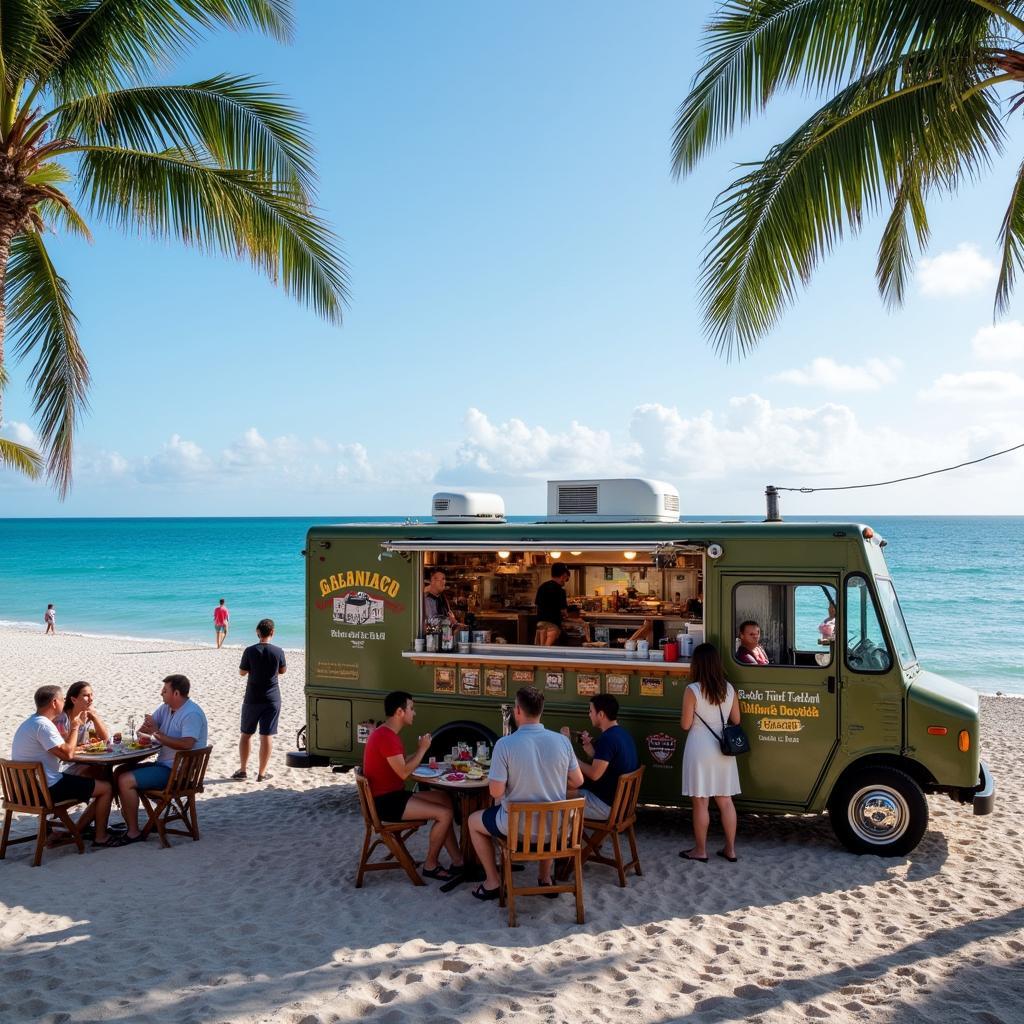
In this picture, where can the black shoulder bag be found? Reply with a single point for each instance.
(733, 740)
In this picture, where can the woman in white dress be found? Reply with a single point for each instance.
(708, 704)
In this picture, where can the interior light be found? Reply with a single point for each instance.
(576, 553)
(556, 554)
(504, 554)
(629, 554)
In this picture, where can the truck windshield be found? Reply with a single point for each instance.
(895, 621)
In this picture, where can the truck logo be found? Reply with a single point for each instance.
(358, 609)
(662, 747)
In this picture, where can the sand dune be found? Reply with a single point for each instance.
(259, 922)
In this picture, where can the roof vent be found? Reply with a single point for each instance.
(468, 507)
(612, 501)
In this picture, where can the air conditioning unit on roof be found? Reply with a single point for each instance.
(626, 500)
(468, 507)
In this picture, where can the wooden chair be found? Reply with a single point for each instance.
(390, 835)
(621, 819)
(25, 792)
(177, 800)
(557, 827)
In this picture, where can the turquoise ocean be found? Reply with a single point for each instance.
(958, 579)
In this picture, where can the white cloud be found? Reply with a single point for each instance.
(22, 433)
(959, 272)
(985, 387)
(827, 375)
(353, 463)
(999, 342)
(511, 450)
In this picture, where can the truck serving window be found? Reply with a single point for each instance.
(796, 622)
(894, 619)
(866, 649)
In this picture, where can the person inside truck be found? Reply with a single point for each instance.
(386, 767)
(750, 651)
(435, 601)
(552, 605)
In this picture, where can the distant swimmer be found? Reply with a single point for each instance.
(221, 618)
(50, 618)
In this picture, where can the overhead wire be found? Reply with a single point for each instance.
(903, 479)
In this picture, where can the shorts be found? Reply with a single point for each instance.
(391, 806)
(263, 715)
(220, 629)
(151, 776)
(490, 820)
(72, 787)
(595, 807)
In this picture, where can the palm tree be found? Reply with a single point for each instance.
(912, 110)
(223, 164)
(18, 456)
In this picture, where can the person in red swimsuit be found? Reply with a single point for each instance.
(750, 651)
(386, 768)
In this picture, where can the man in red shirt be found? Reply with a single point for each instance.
(386, 768)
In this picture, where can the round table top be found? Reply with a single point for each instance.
(119, 755)
(445, 783)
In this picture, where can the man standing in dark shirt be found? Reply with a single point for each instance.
(263, 662)
(552, 605)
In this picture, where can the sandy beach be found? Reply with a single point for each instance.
(259, 921)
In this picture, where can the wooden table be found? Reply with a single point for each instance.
(119, 755)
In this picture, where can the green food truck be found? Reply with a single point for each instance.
(842, 717)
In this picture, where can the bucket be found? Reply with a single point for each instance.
(671, 650)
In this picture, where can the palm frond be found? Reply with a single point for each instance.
(754, 48)
(62, 217)
(895, 253)
(106, 43)
(40, 315)
(20, 458)
(179, 194)
(1011, 238)
(236, 119)
(26, 40)
(774, 224)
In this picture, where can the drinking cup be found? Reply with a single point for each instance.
(671, 650)
(433, 764)
(419, 644)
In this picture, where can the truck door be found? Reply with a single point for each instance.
(789, 705)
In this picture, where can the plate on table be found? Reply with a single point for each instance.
(425, 772)
(94, 748)
(455, 777)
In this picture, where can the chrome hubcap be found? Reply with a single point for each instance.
(878, 815)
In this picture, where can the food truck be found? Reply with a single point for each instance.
(842, 718)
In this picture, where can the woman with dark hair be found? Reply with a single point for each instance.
(79, 698)
(708, 704)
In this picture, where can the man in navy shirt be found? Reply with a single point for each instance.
(262, 663)
(612, 754)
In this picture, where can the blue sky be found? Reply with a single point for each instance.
(524, 301)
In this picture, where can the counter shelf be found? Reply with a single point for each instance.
(574, 658)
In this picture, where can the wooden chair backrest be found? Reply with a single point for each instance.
(188, 771)
(366, 802)
(24, 786)
(539, 831)
(627, 793)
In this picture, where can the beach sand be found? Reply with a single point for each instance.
(260, 922)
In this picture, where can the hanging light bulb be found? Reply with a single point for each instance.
(629, 554)
(555, 554)
(504, 554)
(575, 554)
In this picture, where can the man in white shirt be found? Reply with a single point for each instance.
(178, 724)
(37, 739)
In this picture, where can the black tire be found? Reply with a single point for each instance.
(880, 810)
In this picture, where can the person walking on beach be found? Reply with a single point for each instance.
(50, 618)
(708, 704)
(221, 618)
(262, 663)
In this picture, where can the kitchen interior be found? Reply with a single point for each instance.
(615, 591)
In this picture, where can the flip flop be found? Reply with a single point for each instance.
(440, 873)
(110, 843)
(481, 893)
(127, 840)
(725, 856)
(240, 774)
(685, 854)
(264, 776)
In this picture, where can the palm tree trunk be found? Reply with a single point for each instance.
(5, 252)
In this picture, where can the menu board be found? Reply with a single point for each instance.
(494, 682)
(444, 679)
(617, 683)
(554, 680)
(469, 681)
(652, 686)
(588, 684)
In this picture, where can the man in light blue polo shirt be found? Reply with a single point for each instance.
(530, 766)
(178, 724)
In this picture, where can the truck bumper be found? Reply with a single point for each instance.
(984, 795)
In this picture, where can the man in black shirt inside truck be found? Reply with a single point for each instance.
(262, 663)
(552, 604)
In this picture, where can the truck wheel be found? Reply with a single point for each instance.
(879, 810)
